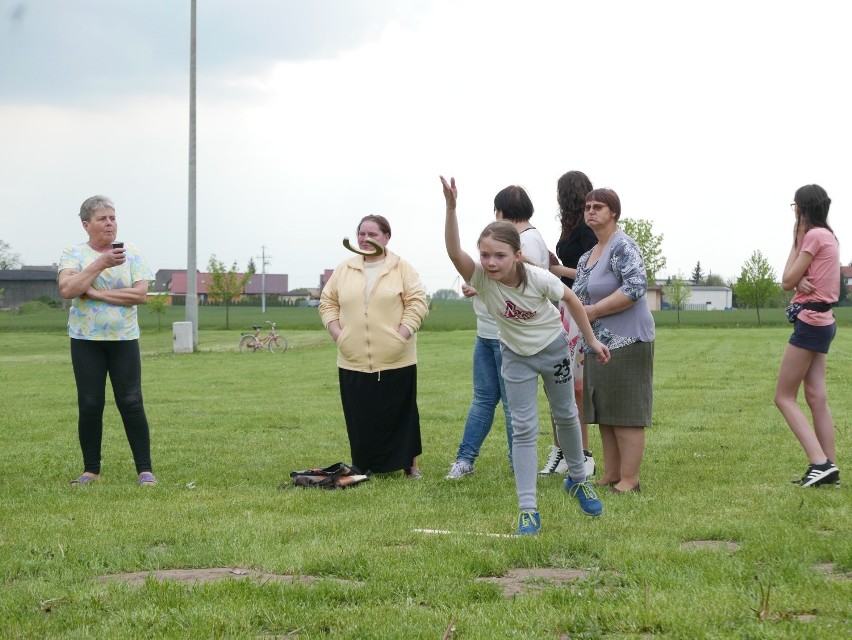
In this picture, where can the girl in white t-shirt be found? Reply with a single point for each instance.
(534, 344)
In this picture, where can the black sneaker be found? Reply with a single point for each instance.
(833, 480)
(819, 474)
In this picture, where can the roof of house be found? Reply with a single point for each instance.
(275, 283)
(29, 274)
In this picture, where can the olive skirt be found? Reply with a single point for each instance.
(621, 392)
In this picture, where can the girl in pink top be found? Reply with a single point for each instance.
(813, 270)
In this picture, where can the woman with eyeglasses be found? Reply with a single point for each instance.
(612, 284)
(812, 269)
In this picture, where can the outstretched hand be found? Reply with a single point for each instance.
(450, 192)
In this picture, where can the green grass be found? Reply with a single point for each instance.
(227, 428)
(445, 316)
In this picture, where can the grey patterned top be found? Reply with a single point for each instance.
(620, 267)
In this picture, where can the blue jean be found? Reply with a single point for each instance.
(488, 390)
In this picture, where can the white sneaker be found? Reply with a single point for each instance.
(555, 462)
(589, 463)
(459, 469)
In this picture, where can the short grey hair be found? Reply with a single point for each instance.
(95, 203)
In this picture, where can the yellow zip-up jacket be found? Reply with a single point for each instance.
(369, 341)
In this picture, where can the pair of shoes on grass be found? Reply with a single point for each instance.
(529, 522)
(556, 463)
(146, 479)
(818, 475)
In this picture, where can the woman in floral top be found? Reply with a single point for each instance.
(611, 283)
(105, 283)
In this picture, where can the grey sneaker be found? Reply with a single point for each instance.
(555, 462)
(459, 469)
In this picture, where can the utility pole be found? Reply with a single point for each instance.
(264, 260)
(191, 311)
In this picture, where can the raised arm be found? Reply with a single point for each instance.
(463, 263)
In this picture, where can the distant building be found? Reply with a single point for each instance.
(29, 283)
(703, 298)
(324, 277)
(173, 281)
(846, 278)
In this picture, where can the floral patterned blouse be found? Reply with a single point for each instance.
(97, 320)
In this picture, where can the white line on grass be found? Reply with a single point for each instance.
(464, 533)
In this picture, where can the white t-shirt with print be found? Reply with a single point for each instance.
(534, 248)
(525, 316)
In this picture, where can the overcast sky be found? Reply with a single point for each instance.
(704, 117)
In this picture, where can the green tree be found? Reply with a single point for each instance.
(714, 280)
(225, 284)
(8, 259)
(649, 244)
(756, 285)
(697, 275)
(677, 291)
(158, 304)
(446, 294)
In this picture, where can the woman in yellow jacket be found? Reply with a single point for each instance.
(373, 306)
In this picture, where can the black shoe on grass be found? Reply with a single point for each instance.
(820, 474)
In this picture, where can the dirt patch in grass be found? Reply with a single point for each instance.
(830, 571)
(710, 544)
(197, 576)
(521, 580)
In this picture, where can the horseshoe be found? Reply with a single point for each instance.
(379, 249)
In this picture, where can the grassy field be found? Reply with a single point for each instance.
(717, 523)
(445, 316)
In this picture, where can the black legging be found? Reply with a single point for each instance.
(92, 360)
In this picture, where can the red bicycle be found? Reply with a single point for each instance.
(272, 341)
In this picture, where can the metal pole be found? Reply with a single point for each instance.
(191, 268)
(263, 262)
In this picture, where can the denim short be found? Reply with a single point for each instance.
(807, 336)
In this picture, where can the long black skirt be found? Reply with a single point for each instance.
(382, 419)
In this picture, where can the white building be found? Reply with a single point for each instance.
(709, 299)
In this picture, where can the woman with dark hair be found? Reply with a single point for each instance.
(373, 306)
(812, 270)
(576, 238)
(612, 284)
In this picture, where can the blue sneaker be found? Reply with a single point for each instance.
(589, 503)
(529, 522)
